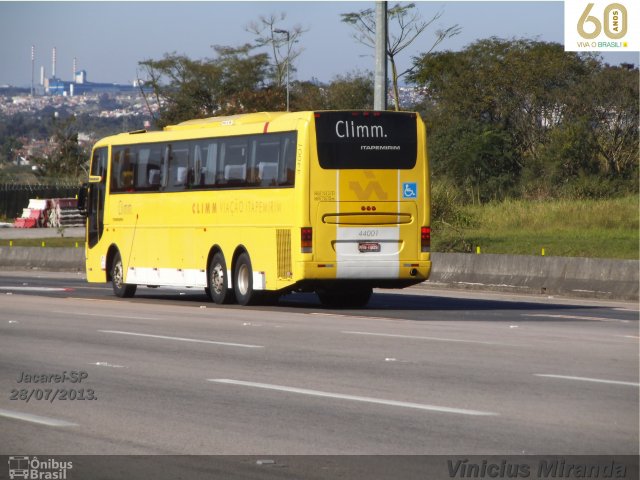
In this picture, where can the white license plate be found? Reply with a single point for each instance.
(366, 247)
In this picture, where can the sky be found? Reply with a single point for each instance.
(108, 39)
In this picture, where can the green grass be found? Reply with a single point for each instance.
(575, 228)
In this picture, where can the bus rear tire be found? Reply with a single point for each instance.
(345, 297)
(218, 288)
(121, 289)
(243, 281)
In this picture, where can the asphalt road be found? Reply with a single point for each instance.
(417, 372)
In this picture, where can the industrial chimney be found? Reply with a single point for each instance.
(33, 60)
(53, 61)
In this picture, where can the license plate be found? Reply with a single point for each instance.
(366, 247)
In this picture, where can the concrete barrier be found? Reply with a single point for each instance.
(575, 277)
(42, 258)
(571, 276)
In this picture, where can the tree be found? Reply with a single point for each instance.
(609, 99)
(67, 158)
(280, 42)
(9, 145)
(235, 81)
(565, 124)
(353, 91)
(408, 26)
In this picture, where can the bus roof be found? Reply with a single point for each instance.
(244, 119)
(240, 119)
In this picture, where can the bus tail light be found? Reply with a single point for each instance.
(425, 239)
(306, 239)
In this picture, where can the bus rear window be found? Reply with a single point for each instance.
(366, 140)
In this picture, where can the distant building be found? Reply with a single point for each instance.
(80, 85)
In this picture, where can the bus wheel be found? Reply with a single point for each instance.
(218, 289)
(121, 289)
(345, 298)
(243, 280)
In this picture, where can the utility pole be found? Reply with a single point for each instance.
(287, 33)
(380, 80)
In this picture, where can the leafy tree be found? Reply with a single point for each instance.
(524, 116)
(9, 145)
(67, 159)
(353, 91)
(407, 25)
(309, 95)
(233, 82)
(609, 100)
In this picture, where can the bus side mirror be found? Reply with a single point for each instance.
(83, 197)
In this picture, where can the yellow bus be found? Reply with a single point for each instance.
(253, 206)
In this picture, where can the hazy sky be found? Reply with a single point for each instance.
(108, 39)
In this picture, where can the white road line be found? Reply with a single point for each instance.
(358, 317)
(415, 337)
(181, 339)
(585, 379)
(27, 417)
(107, 364)
(340, 396)
(104, 315)
(575, 317)
(38, 289)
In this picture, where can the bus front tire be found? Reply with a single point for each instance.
(344, 298)
(218, 288)
(243, 281)
(121, 289)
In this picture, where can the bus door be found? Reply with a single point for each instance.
(97, 191)
(368, 215)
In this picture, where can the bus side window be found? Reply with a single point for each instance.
(142, 166)
(234, 160)
(209, 170)
(116, 169)
(288, 158)
(154, 168)
(123, 170)
(196, 165)
(178, 165)
(267, 152)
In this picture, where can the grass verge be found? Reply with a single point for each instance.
(568, 228)
(57, 242)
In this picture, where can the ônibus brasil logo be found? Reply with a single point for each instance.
(37, 469)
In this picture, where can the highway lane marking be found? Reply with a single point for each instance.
(356, 398)
(107, 364)
(104, 315)
(586, 379)
(360, 317)
(182, 339)
(575, 317)
(28, 417)
(38, 289)
(416, 337)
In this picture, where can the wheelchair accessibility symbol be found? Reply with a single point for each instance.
(409, 190)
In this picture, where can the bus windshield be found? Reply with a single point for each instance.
(366, 140)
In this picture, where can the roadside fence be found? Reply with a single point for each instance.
(15, 197)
